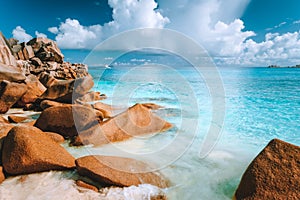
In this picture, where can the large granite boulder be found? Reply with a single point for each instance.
(273, 174)
(34, 90)
(68, 90)
(6, 56)
(27, 149)
(136, 121)
(118, 171)
(66, 120)
(11, 73)
(10, 93)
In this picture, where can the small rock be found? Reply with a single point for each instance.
(36, 61)
(83, 184)
(16, 119)
(47, 80)
(10, 93)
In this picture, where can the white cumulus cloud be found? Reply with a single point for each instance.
(72, 35)
(20, 34)
(127, 14)
(38, 34)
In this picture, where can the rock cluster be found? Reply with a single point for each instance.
(33, 75)
(42, 55)
(35, 71)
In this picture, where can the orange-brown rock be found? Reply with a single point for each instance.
(66, 120)
(67, 91)
(55, 137)
(28, 52)
(2, 177)
(6, 56)
(152, 106)
(4, 129)
(27, 149)
(16, 119)
(91, 96)
(106, 109)
(11, 73)
(273, 174)
(47, 80)
(136, 121)
(46, 49)
(83, 184)
(3, 120)
(10, 93)
(118, 171)
(48, 103)
(34, 89)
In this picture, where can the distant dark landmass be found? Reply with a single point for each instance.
(277, 66)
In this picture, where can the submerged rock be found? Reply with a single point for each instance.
(273, 174)
(10, 93)
(27, 149)
(118, 171)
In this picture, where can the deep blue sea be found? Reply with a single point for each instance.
(259, 104)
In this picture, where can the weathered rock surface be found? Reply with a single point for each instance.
(48, 103)
(11, 73)
(66, 120)
(47, 80)
(136, 121)
(2, 177)
(34, 90)
(27, 150)
(6, 56)
(66, 91)
(106, 109)
(91, 96)
(10, 93)
(16, 119)
(273, 174)
(118, 171)
(46, 49)
(55, 137)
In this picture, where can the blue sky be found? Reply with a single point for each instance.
(234, 32)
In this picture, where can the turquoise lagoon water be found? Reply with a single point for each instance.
(260, 104)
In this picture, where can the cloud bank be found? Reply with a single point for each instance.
(213, 24)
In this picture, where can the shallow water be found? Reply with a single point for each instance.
(261, 104)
